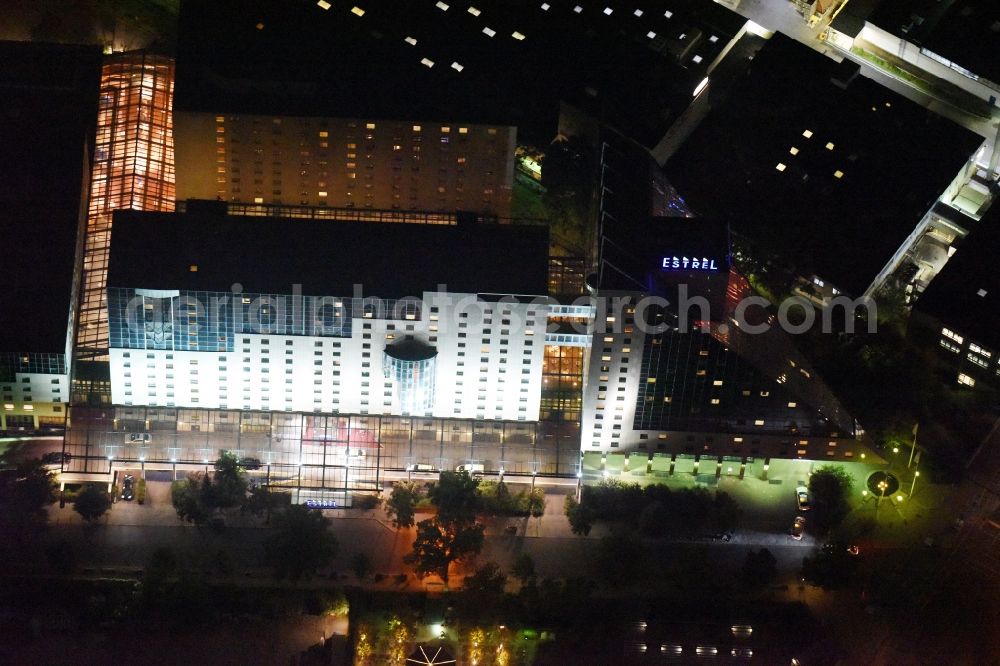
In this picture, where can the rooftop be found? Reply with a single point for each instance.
(965, 32)
(202, 250)
(831, 179)
(492, 61)
(47, 123)
(965, 295)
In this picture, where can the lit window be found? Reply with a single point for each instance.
(193, 268)
(966, 380)
(637, 13)
(652, 35)
(807, 134)
(427, 62)
(323, 4)
(780, 166)
(416, 128)
(410, 40)
(759, 422)
(667, 14)
(829, 145)
(518, 36)
(369, 125)
(791, 404)
(793, 150)
(838, 174)
(457, 67)
(952, 335)
(474, 11)
(715, 401)
(357, 11)
(463, 130)
(442, 6)
(545, 6)
(489, 32)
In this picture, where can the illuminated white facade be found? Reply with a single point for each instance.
(486, 359)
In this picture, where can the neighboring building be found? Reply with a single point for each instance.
(664, 387)
(47, 123)
(345, 163)
(630, 68)
(837, 175)
(958, 317)
(133, 169)
(944, 43)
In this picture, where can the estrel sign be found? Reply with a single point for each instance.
(689, 264)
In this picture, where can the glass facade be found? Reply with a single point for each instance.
(334, 452)
(12, 363)
(413, 380)
(209, 320)
(133, 168)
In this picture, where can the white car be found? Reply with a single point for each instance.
(802, 497)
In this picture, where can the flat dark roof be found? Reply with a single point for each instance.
(304, 60)
(47, 118)
(966, 33)
(965, 295)
(270, 256)
(893, 159)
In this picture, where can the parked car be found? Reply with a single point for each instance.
(138, 437)
(128, 488)
(798, 527)
(421, 467)
(250, 463)
(474, 468)
(802, 497)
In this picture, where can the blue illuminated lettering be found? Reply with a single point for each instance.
(684, 263)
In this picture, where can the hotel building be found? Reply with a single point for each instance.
(345, 163)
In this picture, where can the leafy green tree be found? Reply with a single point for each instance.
(300, 543)
(524, 569)
(229, 485)
(759, 569)
(455, 497)
(92, 503)
(187, 496)
(581, 517)
(263, 500)
(488, 578)
(402, 504)
(829, 487)
(438, 544)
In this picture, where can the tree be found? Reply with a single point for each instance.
(829, 487)
(402, 504)
(229, 487)
(300, 543)
(438, 544)
(726, 513)
(488, 578)
(262, 500)
(581, 518)
(361, 565)
(24, 494)
(187, 496)
(92, 503)
(759, 569)
(455, 497)
(524, 569)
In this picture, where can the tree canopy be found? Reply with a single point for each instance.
(402, 504)
(438, 544)
(829, 487)
(92, 503)
(300, 542)
(455, 497)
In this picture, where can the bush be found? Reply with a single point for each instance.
(140, 491)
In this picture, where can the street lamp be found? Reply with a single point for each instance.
(913, 483)
(882, 485)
